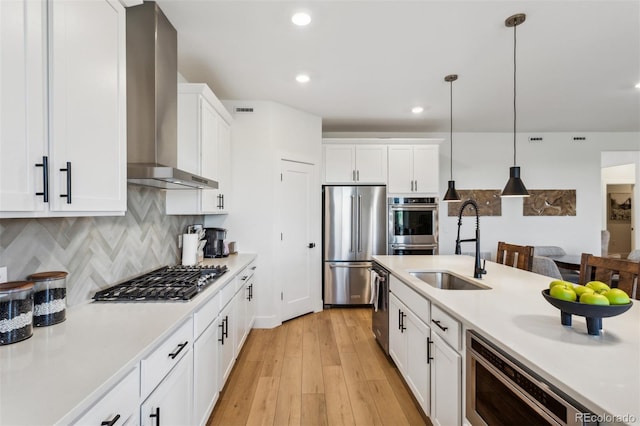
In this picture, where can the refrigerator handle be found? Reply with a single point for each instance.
(359, 223)
(353, 220)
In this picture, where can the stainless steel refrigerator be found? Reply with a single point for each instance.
(354, 229)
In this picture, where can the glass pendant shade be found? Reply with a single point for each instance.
(514, 187)
(452, 194)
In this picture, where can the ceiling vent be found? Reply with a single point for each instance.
(535, 139)
(244, 109)
(579, 138)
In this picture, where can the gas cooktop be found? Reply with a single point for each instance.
(166, 284)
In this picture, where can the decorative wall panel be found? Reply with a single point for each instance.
(96, 251)
(488, 200)
(550, 202)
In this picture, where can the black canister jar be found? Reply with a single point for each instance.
(16, 311)
(49, 297)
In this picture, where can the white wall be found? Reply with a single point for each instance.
(259, 140)
(482, 161)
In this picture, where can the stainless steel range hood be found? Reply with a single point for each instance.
(152, 102)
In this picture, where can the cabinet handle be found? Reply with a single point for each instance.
(181, 346)
(353, 175)
(401, 326)
(226, 326)
(253, 268)
(411, 185)
(222, 198)
(45, 179)
(357, 175)
(221, 339)
(68, 194)
(441, 327)
(112, 422)
(156, 415)
(429, 357)
(416, 185)
(251, 292)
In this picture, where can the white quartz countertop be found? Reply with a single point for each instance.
(55, 375)
(600, 372)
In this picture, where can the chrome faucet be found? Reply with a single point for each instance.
(478, 270)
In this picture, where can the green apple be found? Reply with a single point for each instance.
(597, 286)
(594, 299)
(617, 297)
(563, 293)
(580, 290)
(566, 284)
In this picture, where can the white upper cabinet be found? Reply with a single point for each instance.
(64, 135)
(204, 148)
(354, 163)
(413, 169)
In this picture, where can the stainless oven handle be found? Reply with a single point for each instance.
(413, 207)
(414, 246)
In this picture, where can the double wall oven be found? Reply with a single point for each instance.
(413, 225)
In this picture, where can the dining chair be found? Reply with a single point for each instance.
(514, 255)
(634, 256)
(546, 266)
(620, 273)
(548, 251)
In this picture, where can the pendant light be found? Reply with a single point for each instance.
(514, 187)
(452, 194)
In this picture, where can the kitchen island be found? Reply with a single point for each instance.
(62, 370)
(600, 372)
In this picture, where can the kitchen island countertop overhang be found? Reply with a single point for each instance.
(600, 372)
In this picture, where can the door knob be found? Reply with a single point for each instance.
(311, 245)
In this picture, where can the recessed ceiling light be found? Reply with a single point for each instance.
(417, 110)
(302, 78)
(301, 19)
(638, 86)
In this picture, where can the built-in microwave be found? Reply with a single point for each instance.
(413, 225)
(501, 391)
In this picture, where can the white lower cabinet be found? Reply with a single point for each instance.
(409, 348)
(171, 402)
(118, 407)
(205, 360)
(427, 357)
(225, 343)
(446, 384)
(239, 323)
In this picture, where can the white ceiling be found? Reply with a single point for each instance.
(370, 62)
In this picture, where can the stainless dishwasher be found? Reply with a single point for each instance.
(380, 314)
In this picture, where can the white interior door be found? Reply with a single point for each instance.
(298, 248)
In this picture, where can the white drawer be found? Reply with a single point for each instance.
(154, 367)
(245, 276)
(414, 301)
(205, 315)
(446, 327)
(227, 292)
(120, 402)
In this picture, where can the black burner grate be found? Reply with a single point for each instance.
(170, 283)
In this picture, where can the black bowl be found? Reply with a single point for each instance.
(593, 313)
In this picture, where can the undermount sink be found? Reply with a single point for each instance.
(446, 281)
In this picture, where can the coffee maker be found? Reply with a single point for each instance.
(215, 242)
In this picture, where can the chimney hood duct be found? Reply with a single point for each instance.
(152, 102)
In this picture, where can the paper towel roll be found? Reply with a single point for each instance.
(189, 249)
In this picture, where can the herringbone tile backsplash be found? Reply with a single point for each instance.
(96, 251)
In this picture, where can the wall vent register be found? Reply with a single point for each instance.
(166, 284)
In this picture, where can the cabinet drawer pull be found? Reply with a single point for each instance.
(68, 194)
(222, 198)
(429, 357)
(441, 327)
(402, 316)
(45, 179)
(358, 175)
(226, 326)
(156, 415)
(180, 348)
(111, 422)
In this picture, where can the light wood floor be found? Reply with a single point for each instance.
(319, 369)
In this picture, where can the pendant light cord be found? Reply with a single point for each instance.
(451, 127)
(514, 94)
